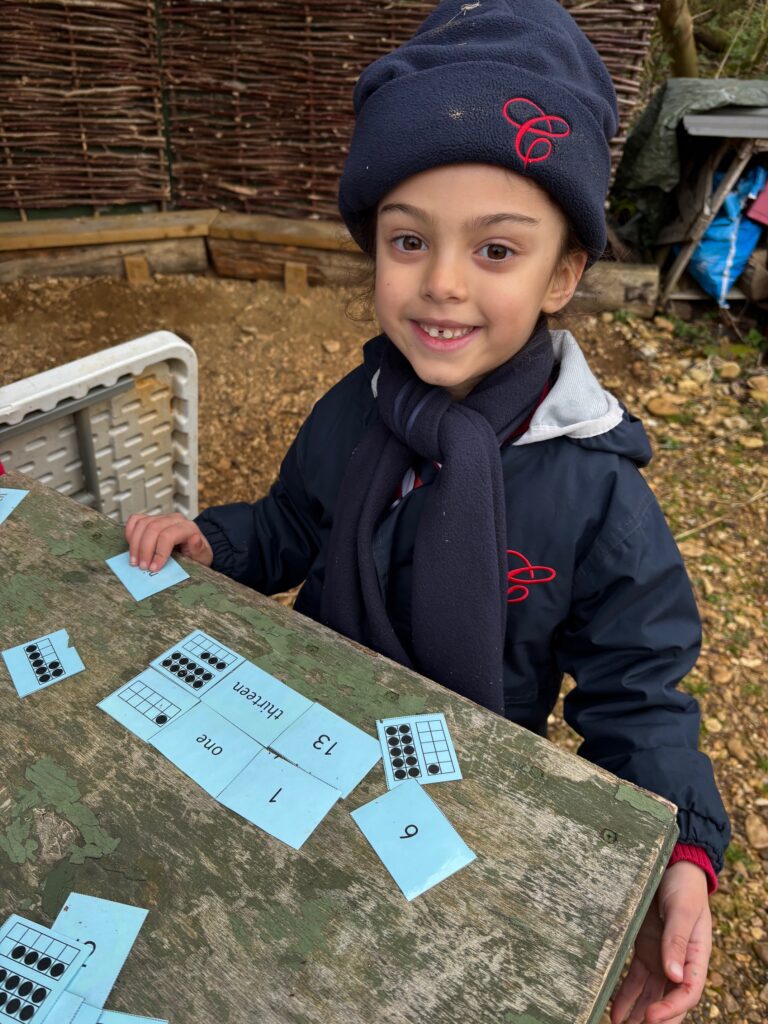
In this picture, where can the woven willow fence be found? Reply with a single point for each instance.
(250, 99)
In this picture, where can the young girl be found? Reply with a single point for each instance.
(468, 500)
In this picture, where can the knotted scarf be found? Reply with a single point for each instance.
(459, 561)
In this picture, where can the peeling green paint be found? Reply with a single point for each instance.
(17, 843)
(84, 546)
(54, 785)
(641, 802)
(21, 603)
(57, 886)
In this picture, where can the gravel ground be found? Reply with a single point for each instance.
(265, 358)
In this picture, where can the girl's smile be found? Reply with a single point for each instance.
(468, 256)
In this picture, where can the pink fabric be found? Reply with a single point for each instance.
(695, 854)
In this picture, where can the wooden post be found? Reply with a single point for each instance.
(137, 270)
(295, 278)
(677, 26)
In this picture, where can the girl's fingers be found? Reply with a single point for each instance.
(685, 996)
(653, 991)
(629, 991)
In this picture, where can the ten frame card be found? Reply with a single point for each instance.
(417, 747)
(197, 661)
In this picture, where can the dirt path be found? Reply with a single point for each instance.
(265, 358)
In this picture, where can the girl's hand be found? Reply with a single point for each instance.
(669, 968)
(151, 539)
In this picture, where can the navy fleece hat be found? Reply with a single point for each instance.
(508, 82)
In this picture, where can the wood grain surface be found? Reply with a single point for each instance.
(242, 928)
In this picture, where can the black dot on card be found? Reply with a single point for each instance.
(391, 730)
(37, 662)
(405, 728)
(39, 995)
(45, 677)
(398, 762)
(407, 739)
(40, 671)
(166, 663)
(393, 741)
(221, 665)
(434, 769)
(54, 664)
(3, 973)
(3, 998)
(25, 988)
(207, 676)
(27, 1012)
(395, 752)
(30, 958)
(30, 647)
(12, 981)
(183, 661)
(197, 684)
(411, 760)
(57, 970)
(409, 750)
(57, 672)
(400, 774)
(175, 669)
(176, 655)
(13, 1005)
(45, 963)
(161, 719)
(414, 773)
(18, 952)
(204, 656)
(198, 670)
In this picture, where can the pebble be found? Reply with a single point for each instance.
(663, 405)
(729, 371)
(713, 725)
(664, 323)
(757, 832)
(737, 749)
(750, 441)
(331, 346)
(759, 383)
(761, 951)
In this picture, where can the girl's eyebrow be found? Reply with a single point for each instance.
(471, 225)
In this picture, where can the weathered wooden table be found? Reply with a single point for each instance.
(242, 928)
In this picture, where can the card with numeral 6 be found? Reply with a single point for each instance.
(414, 839)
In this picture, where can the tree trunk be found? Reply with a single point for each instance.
(677, 26)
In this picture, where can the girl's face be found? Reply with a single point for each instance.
(471, 251)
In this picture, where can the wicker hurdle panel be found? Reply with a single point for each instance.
(260, 93)
(80, 104)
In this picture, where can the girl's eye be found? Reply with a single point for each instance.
(497, 252)
(407, 241)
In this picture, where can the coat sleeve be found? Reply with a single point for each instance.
(633, 632)
(269, 545)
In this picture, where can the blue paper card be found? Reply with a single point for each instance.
(206, 747)
(42, 662)
(415, 841)
(113, 1017)
(256, 702)
(330, 748)
(148, 703)
(417, 747)
(141, 583)
(280, 798)
(197, 661)
(112, 929)
(73, 1009)
(10, 498)
(37, 965)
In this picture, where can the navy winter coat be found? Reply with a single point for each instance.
(597, 587)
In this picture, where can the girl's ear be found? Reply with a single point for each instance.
(564, 281)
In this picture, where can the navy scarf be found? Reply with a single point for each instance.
(460, 561)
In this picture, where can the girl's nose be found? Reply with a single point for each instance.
(444, 279)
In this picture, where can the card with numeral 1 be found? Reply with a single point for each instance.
(414, 839)
(328, 747)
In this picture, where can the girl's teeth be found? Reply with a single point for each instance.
(445, 333)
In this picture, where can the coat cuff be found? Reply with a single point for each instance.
(695, 854)
(227, 559)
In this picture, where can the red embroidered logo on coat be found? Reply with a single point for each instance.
(522, 578)
(535, 129)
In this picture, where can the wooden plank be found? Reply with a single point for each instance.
(308, 234)
(242, 928)
(255, 260)
(295, 278)
(174, 256)
(129, 227)
(609, 286)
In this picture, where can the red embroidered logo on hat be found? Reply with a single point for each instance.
(522, 578)
(535, 130)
